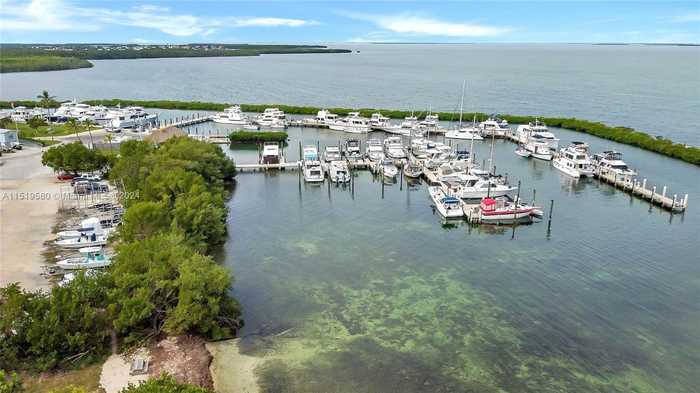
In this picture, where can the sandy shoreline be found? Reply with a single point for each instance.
(232, 371)
(25, 224)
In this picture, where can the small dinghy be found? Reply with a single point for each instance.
(91, 258)
(447, 206)
(83, 241)
(522, 151)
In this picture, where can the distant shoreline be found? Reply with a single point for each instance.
(45, 57)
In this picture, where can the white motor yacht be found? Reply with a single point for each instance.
(447, 206)
(231, 115)
(470, 186)
(353, 123)
(92, 258)
(271, 153)
(338, 172)
(331, 153)
(574, 160)
(412, 169)
(325, 118)
(464, 133)
(539, 150)
(611, 162)
(393, 148)
(494, 127)
(130, 117)
(374, 150)
(537, 131)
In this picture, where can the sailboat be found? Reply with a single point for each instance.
(464, 132)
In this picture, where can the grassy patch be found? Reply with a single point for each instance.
(87, 378)
(244, 137)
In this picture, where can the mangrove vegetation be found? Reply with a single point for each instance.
(162, 280)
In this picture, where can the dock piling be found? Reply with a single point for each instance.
(549, 221)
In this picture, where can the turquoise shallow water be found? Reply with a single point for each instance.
(354, 293)
(652, 88)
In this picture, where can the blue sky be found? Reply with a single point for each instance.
(182, 21)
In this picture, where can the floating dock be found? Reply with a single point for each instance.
(637, 188)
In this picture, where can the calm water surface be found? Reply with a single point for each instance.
(348, 292)
(651, 88)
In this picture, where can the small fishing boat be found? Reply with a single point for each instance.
(393, 148)
(447, 206)
(338, 172)
(374, 150)
(522, 151)
(574, 161)
(270, 153)
(331, 153)
(83, 241)
(412, 170)
(87, 228)
(388, 169)
(352, 149)
(92, 258)
(503, 211)
(311, 166)
(468, 133)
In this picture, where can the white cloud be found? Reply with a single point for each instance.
(414, 24)
(689, 17)
(272, 22)
(48, 15)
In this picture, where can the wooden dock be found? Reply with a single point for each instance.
(184, 121)
(639, 189)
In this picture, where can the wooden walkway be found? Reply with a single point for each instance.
(637, 188)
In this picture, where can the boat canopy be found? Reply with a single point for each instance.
(450, 199)
(488, 204)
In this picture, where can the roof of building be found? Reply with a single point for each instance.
(163, 135)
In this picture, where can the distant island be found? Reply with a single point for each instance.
(46, 57)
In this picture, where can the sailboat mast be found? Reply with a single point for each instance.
(461, 104)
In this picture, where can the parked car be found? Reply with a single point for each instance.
(65, 176)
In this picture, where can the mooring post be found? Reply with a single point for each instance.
(515, 210)
(644, 184)
(663, 193)
(673, 206)
(653, 192)
(534, 195)
(382, 181)
(549, 222)
(401, 177)
(685, 202)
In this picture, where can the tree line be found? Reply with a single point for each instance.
(162, 279)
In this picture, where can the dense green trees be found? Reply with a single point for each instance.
(45, 330)
(74, 157)
(160, 283)
(164, 384)
(10, 383)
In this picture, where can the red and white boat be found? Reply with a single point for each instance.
(504, 211)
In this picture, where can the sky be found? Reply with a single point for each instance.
(224, 21)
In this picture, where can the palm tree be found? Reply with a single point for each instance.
(109, 138)
(46, 100)
(73, 125)
(88, 126)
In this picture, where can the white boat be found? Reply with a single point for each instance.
(430, 121)
(275, 112)
(325, 118)
(83, 241)
(503, 211)
(574, 160)
(353, 123)
(538, 132)
(412, 170)
(464, 133)
(374, 150)
(522, 151)
(388, 169)
(409, 122)
(270, 120)
(87, 227)
(231, 115)
(310, 153)
(611, 162)
(377, 120)
(393, 148)
(352, 149)
(469, 186)
(539, 150)
(447, 206)
(311, 166)
(271, 153)
(130, 117)
(494, 127)
(331, 153)
(338, 172)
(92, 258)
